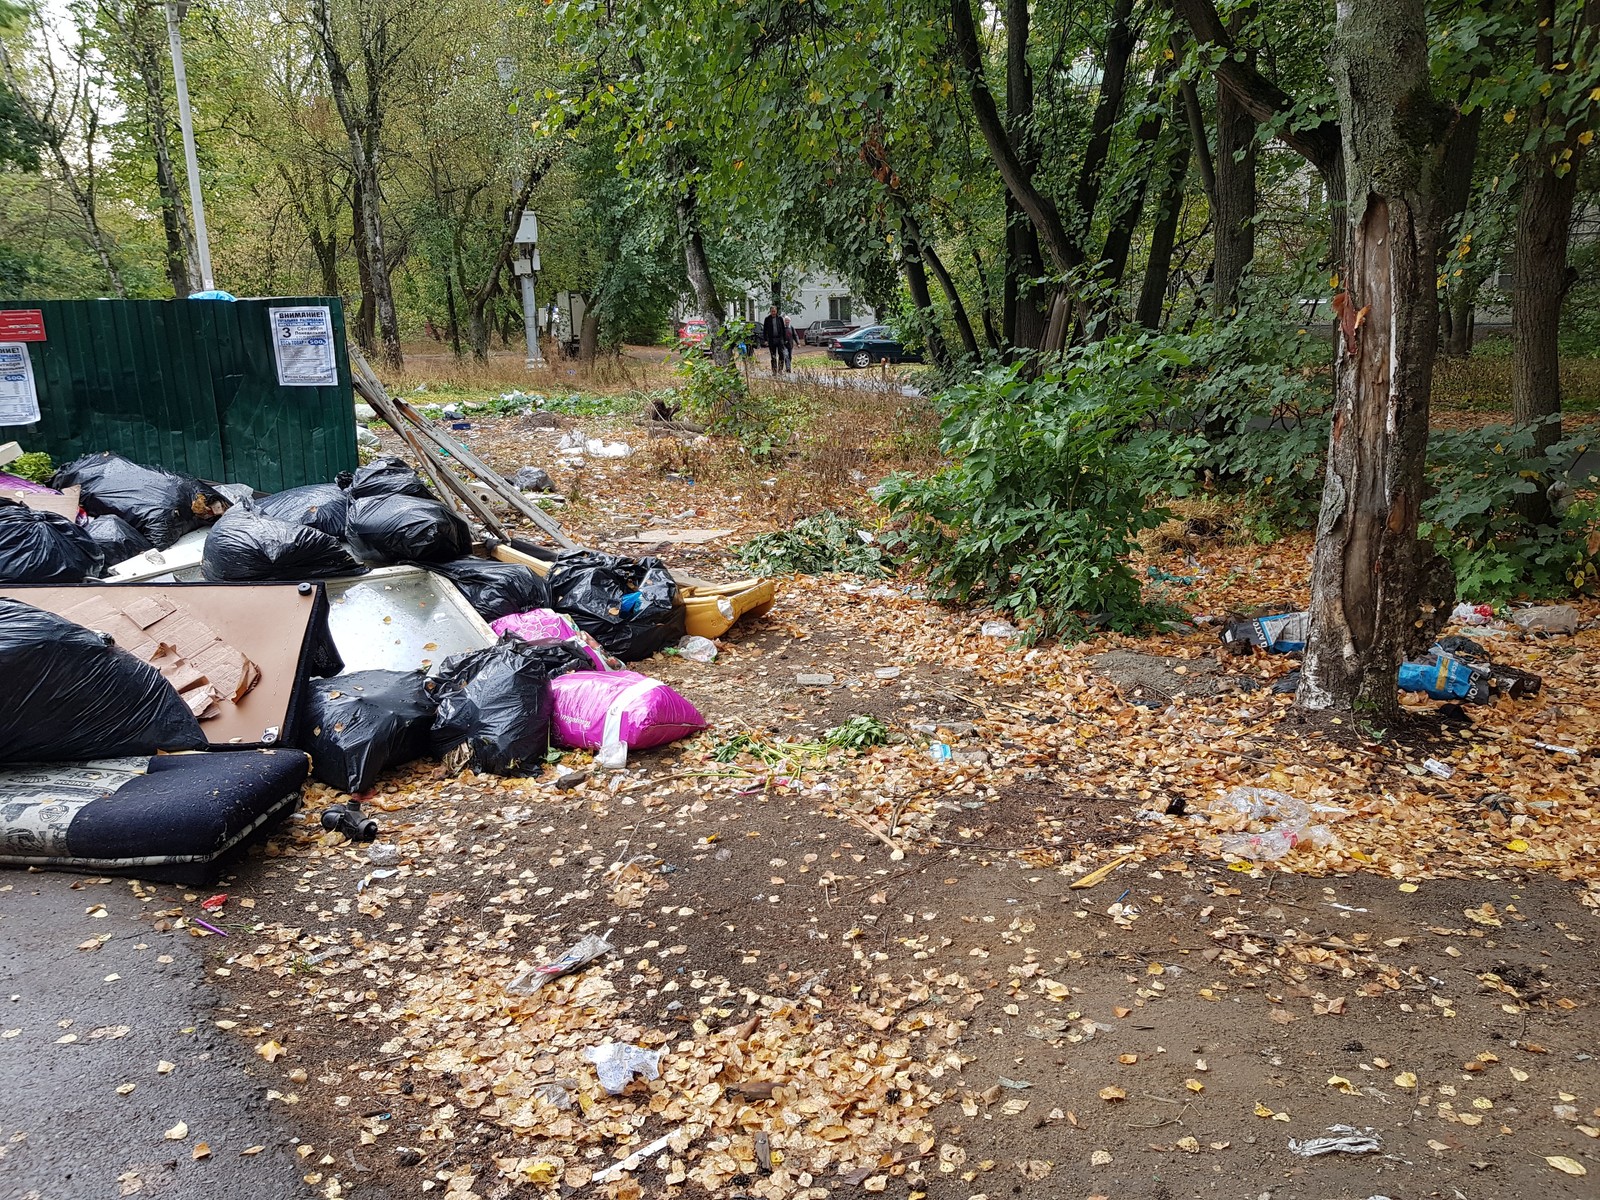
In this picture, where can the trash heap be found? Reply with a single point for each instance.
(1455, 668)
(336, 630)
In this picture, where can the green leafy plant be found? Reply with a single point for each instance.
(1047, 488)
(815, 545)
(1476, 478)
(718, 396)
(858, 733)
(35, 467)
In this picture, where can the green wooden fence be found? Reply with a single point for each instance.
(190, 385)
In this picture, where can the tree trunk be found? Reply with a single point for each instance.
(917, 284)
(1540, 276)
(1463, 319)
(1129, 208)
(1455, 194)
(367, 308)
(1163, 236)
(1022, 316)
(1234, 207)
(917, 244)
(589, 336)
(1107, 108)
(698, 267)
(1019, 179)
(363, 130)
(1373, 582)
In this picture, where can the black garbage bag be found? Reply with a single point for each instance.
(628, 605)
(245, 545)
(495, 702)
(365, 722)
(160, 504)
(387, 476)
(323, 506)
(390, 529)
(45, 547)
(72, 694)
(495, 589)
(118, 540)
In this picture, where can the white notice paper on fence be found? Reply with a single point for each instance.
(19, 399)
(302, 340)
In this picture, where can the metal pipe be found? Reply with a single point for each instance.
(530, 321)
(180, 82)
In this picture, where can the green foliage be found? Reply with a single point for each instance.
(1476, 479)
(36, 467)
(575, 404)
(816, 545)
(858, 733)
(1047, 489)
(718, 396)
(1248, 413)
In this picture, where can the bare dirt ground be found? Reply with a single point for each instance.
(869, 973)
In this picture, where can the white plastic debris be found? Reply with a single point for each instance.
(584, 952)
(1436, 768)
(616, 1063)
(999, 629)
(1341, 1139)
(603, 449)
(697, 649)
(1547, 618)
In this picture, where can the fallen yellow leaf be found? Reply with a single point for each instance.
(1111, 1094)
(1194, 1085)
(201, 1150)
(271, 1051)
(1568, 1165)
(177, 1133)
(1405, 1079)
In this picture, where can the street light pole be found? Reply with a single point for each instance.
(180, 82)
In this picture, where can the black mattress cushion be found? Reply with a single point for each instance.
(183, 808)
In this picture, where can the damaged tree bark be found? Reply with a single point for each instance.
(1375, 588)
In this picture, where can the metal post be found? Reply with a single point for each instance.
(180, 81)
(530, 322)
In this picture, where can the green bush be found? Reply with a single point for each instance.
(1475, 480)
(717, 396)
(816, 545)
(1047, 488)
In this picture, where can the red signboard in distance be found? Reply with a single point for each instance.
(21, 325)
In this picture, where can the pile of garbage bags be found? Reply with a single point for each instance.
(554, 677)
(1455, 668)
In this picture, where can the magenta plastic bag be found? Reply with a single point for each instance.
(595, 709)
(538, 623)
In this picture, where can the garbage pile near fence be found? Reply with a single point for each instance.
(333, 631)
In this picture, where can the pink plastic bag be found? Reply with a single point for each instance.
(596, 709)
(539, 623)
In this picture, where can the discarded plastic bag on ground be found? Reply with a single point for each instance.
(391, 529)
(77, 696)
(697, 649)
(363, 723)
(45, 547)
(539, 623)
(1472, 614)
(616, 1063)
(118, 540)
(495, 703)
(495, 589)
(629, 605)
(248, 545)
(593, 710)
(586, 951)
(1444, 677)
(160, 504)
(324, 506)
(1264, 804)
(1344, 1139)
(1279, 633)
(387, 476)
(1275, 843)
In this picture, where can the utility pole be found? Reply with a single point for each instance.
(525, 264)
(175, 11)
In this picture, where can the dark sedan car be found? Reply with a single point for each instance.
(875, 343)
(820, 333)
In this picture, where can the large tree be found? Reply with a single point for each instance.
(1375, 586)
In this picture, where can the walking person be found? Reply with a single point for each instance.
(773, 333)
(790, 341)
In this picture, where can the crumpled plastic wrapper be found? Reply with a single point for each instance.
(616, 1063)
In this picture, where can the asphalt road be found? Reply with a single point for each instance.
(65, 1131)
